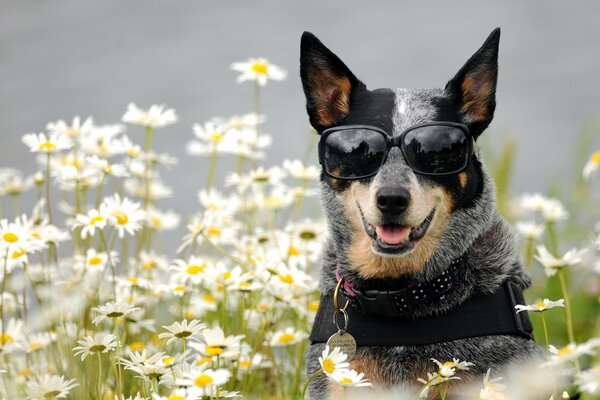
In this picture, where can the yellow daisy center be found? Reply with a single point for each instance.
(169, 360)
(10, 237)
(156, 221)
(95, 260)
(540, 305)
(262, 307)
(287, 338)
(18, 253)
(596, 157)
(136, 346)
(213, 350)
(328, 366)
(260, 67)
(175, 397)
(149, 265)
(194, 269)
(121, 217)
(203, 360)
(286, 278)
(133, 280)
(6, 338)
(564, 351)
(448, 364)
(96, 219)
(216, 136)
(179, 288)
(47, 146)
(293, 251)
(25, 372)
(209, 298)
(213, 231)
(313, 305)
(226, 275)
(35, 345)
(345, 381)
(203, 380)
(245, 364)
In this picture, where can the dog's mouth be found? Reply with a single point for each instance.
(393, 238)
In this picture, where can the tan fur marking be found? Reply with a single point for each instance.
(371, 265)
(370, 367)
(477, 87)
(332, 95)
(462, 177)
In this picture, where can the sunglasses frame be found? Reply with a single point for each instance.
(395, 141)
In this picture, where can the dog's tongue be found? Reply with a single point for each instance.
(391, 234)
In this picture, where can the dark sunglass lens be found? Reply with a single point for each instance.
(436, 149)
(353, 153)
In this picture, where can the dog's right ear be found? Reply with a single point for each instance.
(328, 84)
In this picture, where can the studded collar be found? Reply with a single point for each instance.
(400, 297)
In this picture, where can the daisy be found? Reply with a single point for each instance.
(103, 141)
(49, 387)
(333, 361)
(212, 199)
(76, 129)
(552, 264)
(124, 214)
(592, 165)
(39, 341)
(534, 202)
(299, 171)
(94, 219)
(182, 330)
(157, 189)
(286, 337)
(215, 343)
(113, 310)
(214, 137)
(554, 211)
(16, 236)
(90, 345)
(40, 143)
(259, 70)
(530, 230)
(162, 220)
(204, 382)
(150, 368)
(259, 176)
(13, 336)
(102, 165)
(15, 184)
(589, 380)
(569, 352)
(492, 390)
(349, 377)
(190, 270)
(94, 260)
(155, 117)
(544, 305)
(244, 122)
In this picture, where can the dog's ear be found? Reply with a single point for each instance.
(328, 84)
(474, 86)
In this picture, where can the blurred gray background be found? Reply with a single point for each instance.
(64, 58)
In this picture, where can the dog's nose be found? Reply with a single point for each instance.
(392, 200)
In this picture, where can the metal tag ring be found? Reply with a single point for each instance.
(336, 322)
(336, 292)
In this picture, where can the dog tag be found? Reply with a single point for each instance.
(344, 341)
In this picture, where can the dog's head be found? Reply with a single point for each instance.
(397, 221)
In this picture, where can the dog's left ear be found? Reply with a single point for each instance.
(474, 86)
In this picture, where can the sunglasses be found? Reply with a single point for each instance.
(358, 151)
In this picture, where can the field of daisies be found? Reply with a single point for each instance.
(90, 309)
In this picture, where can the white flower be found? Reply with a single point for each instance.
(155, 117)
(570, 352)
(148, 367)
(589, 380)
(113, 310)
(124, 214)
(202, 381)
(492, 390)
(90, 345)
(191, 270)
(76, 129)
(259, 70)
(286, 337)
(215, 343)
(102, 165)
(554, 211)
(544, 305)
(592, 165)
(300, 171)
(94, 219)
(552, 264)
(530, 230)
(39, 143)
(182, 330)
(349, 377)
(333, 361)
(49, 387)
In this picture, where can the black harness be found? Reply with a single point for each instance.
(383, 317)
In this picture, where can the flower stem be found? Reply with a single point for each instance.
(48, 208)
(308, 381)
(212, 169)
(545, 330)
(112, 265)
(148, 146)
(563, 287)
(4, 279)
(99, 375)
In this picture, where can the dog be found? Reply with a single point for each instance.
(406, 196)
